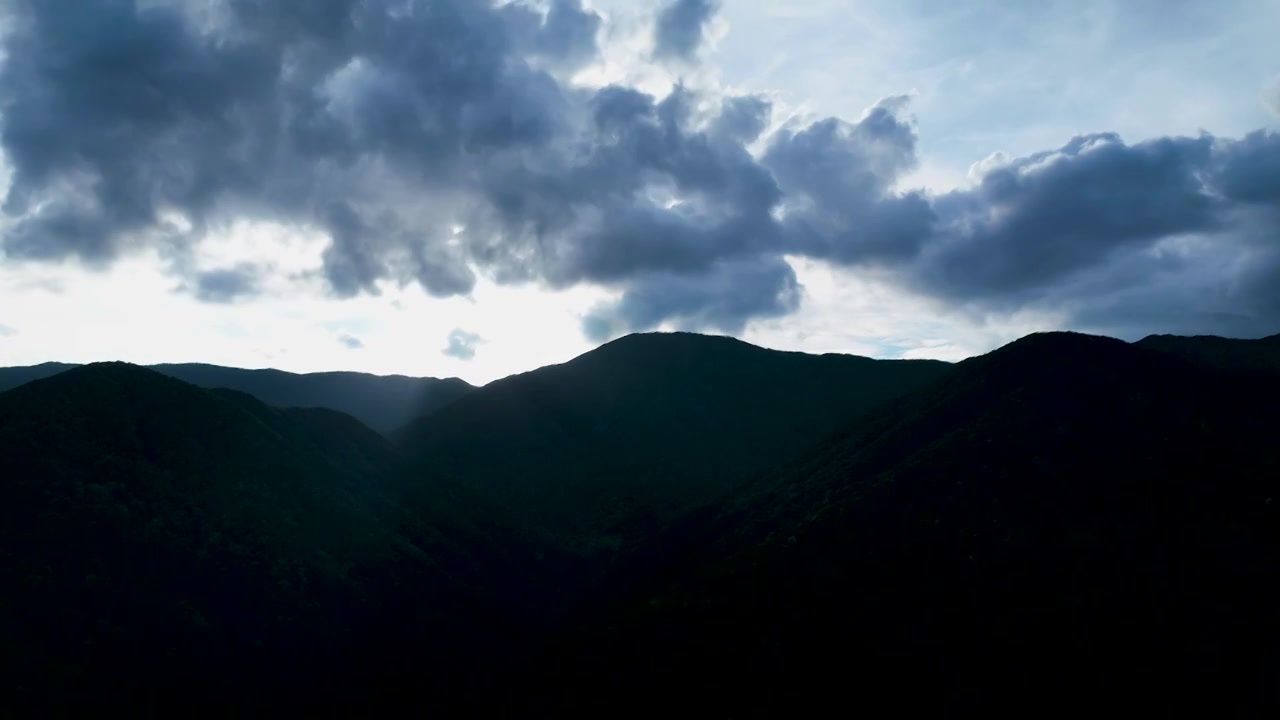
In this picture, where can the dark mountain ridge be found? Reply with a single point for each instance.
(12, 377)
(600, 450)
(163, 548)
(383, 402)
(1260, 355)
(1066, 521)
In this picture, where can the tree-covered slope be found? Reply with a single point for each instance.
(173, 550)
(600, 450)
(1066, 523)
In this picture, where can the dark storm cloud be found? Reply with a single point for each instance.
(310, 113)
(112, 113)
(567, 33)
(838, 179)
(610, 212)
(386, 132)
(1043, 217)
(723, 298)
(1226, 284)
(462, 344)
(680, 26)
(1174, 234)
(63, 228)
(225, 285)
(1248, 171)
(351, 262)
(433, 141)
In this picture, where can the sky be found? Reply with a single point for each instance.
(475, 189)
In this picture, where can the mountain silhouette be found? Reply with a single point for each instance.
(1261, 355)
(12, 377)
(383, 402)
(175, 550)
(670, 521)
(597, 452)
(1067, 521)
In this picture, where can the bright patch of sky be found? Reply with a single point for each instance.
(133, 313)
(1016, 77)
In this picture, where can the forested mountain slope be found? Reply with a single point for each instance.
(1065, 523)
(175, 550)
(600, 451)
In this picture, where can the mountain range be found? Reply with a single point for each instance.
(624, 438)
(671, 521)
(383, 402)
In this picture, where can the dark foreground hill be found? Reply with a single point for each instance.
(597, 453)
(178, 551)
(383, 402)
(1064, 524)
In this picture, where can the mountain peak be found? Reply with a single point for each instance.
(116, 366)
(646, 425)
(113, 371)
(1062, 340)
(1050, 351)
(667, 340)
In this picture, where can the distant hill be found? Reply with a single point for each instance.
(12, 377)
(383, 402)
(599, 451)
(1064, 522)
(160, 543)
(1261, 355)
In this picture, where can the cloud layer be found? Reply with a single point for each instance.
(434, 140)
(680, 26)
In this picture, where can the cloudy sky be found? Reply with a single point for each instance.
(464, 188)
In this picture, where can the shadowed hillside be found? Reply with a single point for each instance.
(383, 402)
(164, 544)
(672, 520)
(601, 450)
(1068, 521)
(1261, 355)
(12, 377)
